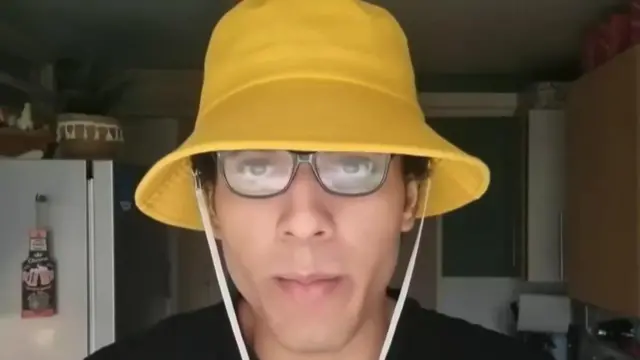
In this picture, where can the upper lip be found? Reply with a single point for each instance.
(307, 279)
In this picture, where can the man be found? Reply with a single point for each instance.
(309, 157)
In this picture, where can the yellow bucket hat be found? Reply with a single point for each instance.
(330, 75)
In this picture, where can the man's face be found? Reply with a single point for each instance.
(313, 266)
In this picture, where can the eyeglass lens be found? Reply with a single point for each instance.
(265, 173)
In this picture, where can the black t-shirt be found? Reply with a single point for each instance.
(421, 334)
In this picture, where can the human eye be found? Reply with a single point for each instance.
(355, 165)
(254, 167)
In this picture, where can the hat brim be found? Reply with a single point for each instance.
(310, 115)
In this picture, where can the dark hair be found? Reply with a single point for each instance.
(413, 167)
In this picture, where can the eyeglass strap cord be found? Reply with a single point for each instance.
(406, 282)
(226, 295)
(217, 264)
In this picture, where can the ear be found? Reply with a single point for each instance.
(212, 212)
(410, 205)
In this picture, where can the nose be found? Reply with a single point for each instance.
(305, 215)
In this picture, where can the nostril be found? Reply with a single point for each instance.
(318, 233)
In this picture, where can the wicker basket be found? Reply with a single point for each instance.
(93, 137)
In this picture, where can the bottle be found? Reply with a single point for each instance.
(38, 273)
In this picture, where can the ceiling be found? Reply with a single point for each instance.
(447, 36)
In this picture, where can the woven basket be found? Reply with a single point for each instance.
(82, 136)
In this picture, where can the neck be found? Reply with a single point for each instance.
(364, 345)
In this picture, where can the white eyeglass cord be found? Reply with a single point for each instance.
(404, 289)
(226, 296)
(217, 264)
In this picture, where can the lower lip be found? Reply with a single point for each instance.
(309, 291)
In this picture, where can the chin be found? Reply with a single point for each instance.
(313, 332)
(315, 339)
(320, 325)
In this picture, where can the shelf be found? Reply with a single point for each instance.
(14, 142)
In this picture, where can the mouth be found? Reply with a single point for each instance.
(306, 288)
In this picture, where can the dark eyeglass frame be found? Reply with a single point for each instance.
(300, 157)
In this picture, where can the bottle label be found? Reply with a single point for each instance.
(38, 278)
(38, 244)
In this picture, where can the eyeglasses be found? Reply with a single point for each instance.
(266, 173)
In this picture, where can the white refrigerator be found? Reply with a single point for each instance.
(112, 271)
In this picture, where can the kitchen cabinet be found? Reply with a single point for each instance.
(601, 226)
(545, 196)
(485, 238)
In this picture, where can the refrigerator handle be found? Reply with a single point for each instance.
(91, 258)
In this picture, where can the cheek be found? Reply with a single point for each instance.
(247, 232)
(244, 255)
(371, 235)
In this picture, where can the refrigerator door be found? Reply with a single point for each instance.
(64, 335)
(124, 242)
